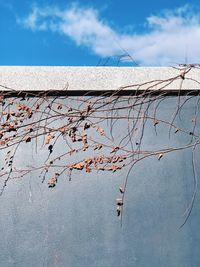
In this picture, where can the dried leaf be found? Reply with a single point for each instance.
(62, 130)
(193, 120)
(121, 190)
(78, 166)
(85, 147)
(48, 138)
(117, 159)
(52, 182)
(86, 126)
(115, 149)
(155, 122)
(12, 128)
(89, 161)
(88, 169)
(28, 139)
(50, 148)
(100, 131)
(2, 142)
(88, 107)
(98, 146)
(119, 201)
(59, 106)
(116, 167)
(118, 210)
(29, 128)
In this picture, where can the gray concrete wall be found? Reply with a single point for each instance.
(75, 224)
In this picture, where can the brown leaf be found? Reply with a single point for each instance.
(117, 159)
(116, 167)
(2, 142)
(52, 182)
(98, 146)
(29, 128)
(28, 139)
(62, 130)
(155, 122)
(118, 210)
(78, 166)
(88, 107)
(88, 169)
(85, 147)
(121, 190)
(115, 149)
(100, 131)
(48, 138)
(193, 120)
(86, 126)
(84, 135)
(119, 201)
(19, 107)
(89, 161)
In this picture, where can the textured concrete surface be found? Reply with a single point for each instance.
(93, 78)
(75, 225)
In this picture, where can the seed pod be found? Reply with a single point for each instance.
(118, 210)
(121, 190)
(28, 139)
(119, 201)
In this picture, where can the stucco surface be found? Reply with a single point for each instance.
(75, 224)
(92, 78)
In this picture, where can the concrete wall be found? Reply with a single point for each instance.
(74, 224)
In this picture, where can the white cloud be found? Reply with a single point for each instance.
(168, 38)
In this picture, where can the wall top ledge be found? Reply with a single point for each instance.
(25, 78)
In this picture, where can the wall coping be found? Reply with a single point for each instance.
(28, 78)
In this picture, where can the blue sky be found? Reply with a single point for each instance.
(72, 33)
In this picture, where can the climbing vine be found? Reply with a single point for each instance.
(94, 132)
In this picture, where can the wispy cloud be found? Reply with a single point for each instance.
(169, 37)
